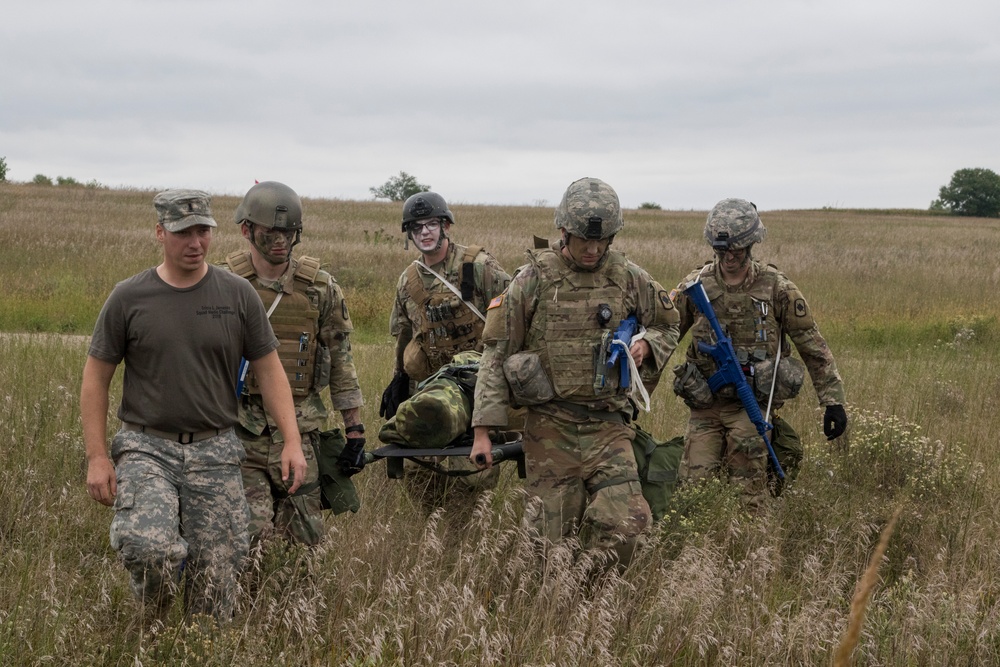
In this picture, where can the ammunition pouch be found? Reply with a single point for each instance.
(415, 362)
(791, 375)
(692, 387)
(529, 384)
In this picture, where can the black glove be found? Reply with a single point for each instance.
(834, 421)
(397, 392)
(352, 459)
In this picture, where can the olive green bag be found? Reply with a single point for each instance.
(788, 449)
(336, 489)
(658, 462)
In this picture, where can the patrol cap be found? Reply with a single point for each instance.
(180, 208)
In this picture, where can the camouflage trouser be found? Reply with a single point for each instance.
(180, 509)
(721, 440)
(586, 478)
(297, 518)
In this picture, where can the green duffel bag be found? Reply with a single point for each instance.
(336, 489)
(658, 462)
(788, 450)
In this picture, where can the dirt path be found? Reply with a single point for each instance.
(68, 338)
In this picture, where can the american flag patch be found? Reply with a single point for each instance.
(496, 302)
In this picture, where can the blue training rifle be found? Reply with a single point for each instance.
(624, 333)
(730, 371)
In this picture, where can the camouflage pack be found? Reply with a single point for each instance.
(791, 376)
(440, 410)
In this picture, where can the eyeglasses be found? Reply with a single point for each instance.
(430, 225)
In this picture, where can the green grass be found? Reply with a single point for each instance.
(906, 301)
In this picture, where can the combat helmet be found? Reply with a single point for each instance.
(272, 205)
(590, 209)
(733, 224)
(424, 205)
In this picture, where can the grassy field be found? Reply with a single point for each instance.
(906, 301)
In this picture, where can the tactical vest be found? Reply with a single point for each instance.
(565, 330)
(447, 326)
(295, 322)
(748, 317)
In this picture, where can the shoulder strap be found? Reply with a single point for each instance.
(468, 274)
(240, 264)
(415, 284)
(307, 269)
(470, 305)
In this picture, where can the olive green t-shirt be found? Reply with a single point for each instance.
(181, 347)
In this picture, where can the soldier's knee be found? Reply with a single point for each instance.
(616, 515)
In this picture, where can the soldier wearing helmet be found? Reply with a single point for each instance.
(761, 311)
(441, 300)
(547, 341)
(309, 316)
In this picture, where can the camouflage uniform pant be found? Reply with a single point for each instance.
(721, 440)
(297, 518)
(586, 478)
(180, 510)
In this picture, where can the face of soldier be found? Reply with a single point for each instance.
(426, 234)
(185, 251)
(274, 244)
(586, 253)
(734, 263)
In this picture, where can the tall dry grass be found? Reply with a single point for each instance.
(906, 301)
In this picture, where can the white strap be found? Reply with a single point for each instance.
(244, 364)
(449, 286)
(637, 386)
(274, 304)
(774, 378)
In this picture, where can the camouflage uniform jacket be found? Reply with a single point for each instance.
(430, 322)
(551, 308)
(334, 363)
(752, 314)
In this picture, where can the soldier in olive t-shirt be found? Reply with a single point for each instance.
(173, 475)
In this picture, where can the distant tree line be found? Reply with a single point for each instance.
(972, 192)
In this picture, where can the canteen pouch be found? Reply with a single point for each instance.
(529, 385)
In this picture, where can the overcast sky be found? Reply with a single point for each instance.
(792, 104)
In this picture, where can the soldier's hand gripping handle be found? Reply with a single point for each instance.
(482, 448)
(352, 459)
(834, 421)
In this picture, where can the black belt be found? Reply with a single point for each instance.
(183, 438)
(583, 411)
